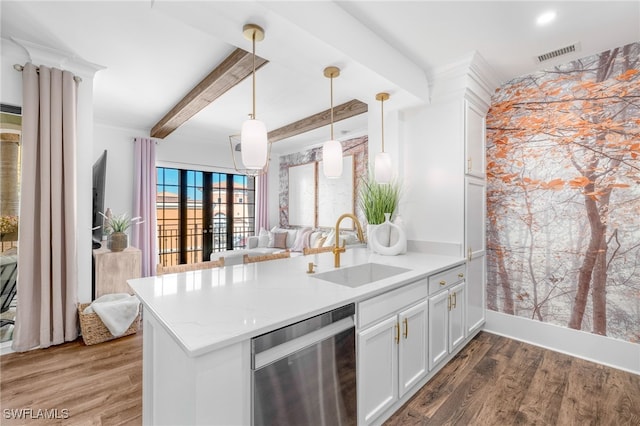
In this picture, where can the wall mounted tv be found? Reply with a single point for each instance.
(99, 175)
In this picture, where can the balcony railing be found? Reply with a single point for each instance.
(169, 243)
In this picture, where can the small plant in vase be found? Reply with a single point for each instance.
(379, 202)
(116, 226)
(376, 199)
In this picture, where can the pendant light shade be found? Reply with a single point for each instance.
(332, 149)
(382, 166)
(332, 159)
(253, 136)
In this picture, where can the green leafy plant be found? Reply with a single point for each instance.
(119, 223)
(376, 199)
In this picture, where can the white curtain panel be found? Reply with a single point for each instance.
(46, 311)
(262, 218)
(143, 235)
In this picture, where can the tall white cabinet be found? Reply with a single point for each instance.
(475, 210)
(444, 154)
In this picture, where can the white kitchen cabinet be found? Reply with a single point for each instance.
(392, 354)
(412, 346)
(447, 302)
(474, 139)
(377, 369)
(457, 316)
(475, 249)
(438, 328)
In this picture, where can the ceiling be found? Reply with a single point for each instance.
(154, 52)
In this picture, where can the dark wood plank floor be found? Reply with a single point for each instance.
(499, 381)
(493, 381)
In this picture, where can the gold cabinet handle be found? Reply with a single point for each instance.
(460, 275)
(470, 254)
(397, 333)
(443, 282)
(449, 302)
(406, 328)
(455, 300)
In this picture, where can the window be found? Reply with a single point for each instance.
(191, 225)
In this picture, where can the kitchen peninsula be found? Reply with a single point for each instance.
(198, 326)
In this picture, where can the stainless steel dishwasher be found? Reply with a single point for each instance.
(305, 373)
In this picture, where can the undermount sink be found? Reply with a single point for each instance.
(355, 276)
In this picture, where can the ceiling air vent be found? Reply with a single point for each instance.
(558, 52)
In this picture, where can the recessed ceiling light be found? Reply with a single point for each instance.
(546, 17)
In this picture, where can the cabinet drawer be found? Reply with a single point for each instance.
(446, 278)
(379, 307)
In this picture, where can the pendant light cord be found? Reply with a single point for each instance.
(382, 120)
(253, 40)
(331, 107)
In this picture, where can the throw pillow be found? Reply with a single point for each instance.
(263, 238)
(330, 238)
(291, 234)
(298, 244)
(278, 240)
(320, 242)
(313, 238)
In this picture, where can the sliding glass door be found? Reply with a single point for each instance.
(200, 213)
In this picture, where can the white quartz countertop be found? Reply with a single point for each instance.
(209, 309)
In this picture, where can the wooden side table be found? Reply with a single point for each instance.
(113, 269)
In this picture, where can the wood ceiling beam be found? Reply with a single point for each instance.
(341, 112)
(235, 68)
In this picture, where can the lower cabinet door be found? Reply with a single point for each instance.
(457, 316)
(476, 272)
(413, 346)
(438, 328)
(377, 369)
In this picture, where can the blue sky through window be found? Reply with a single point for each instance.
(168, 181)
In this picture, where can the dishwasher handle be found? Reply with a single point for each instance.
(275, 353)
(293, 331)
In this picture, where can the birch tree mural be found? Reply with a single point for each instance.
(563, 164)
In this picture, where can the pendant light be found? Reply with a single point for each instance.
(253, 136)
(332, 149)
(236, 156)
(382, 167)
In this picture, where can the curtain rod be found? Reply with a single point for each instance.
(156, 142)
(19, 67)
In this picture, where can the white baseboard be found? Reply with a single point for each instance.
(591, 347)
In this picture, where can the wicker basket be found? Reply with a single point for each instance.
(93, 329)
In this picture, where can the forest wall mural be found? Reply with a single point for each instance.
(563, 195)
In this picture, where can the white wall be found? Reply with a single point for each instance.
(433, 201)
(119, 177)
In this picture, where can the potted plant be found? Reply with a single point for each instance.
(9, 228)
(376, 199)
(379, 202)
(115, 226)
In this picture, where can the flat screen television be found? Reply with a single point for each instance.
(99, 175)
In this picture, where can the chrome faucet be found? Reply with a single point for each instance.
(337, 249)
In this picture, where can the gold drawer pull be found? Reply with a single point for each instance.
(397, 333)
(449, 302)
(455, 300)
(406, 328)
(460, 275)
(443, 282)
